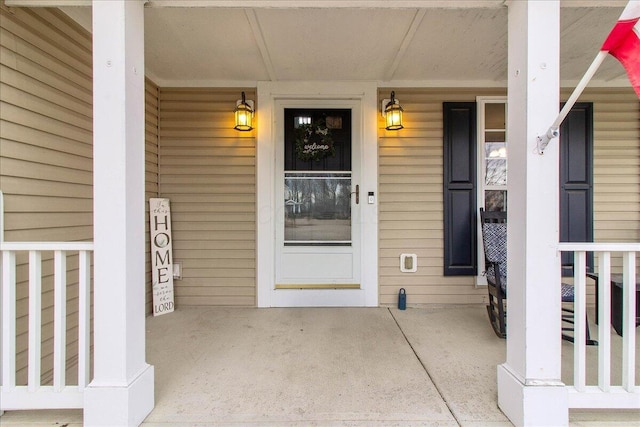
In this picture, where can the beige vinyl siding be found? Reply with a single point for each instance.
(46, 154)
(411, 201)
(46, 166)
(207, 170)
(151, 176)
(410, 187)
(616, 166)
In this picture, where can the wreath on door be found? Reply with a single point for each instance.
(314, 141)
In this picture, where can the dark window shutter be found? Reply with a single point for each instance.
(576, 178)
(459, 153)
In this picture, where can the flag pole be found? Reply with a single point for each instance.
(544, 140)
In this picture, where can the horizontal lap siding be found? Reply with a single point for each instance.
(151, 176)
(410, 187)
(616, 166)
(207, 170)
(411, 201)
(46, 166)
(46, 154)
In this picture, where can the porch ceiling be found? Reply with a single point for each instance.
(224, 46)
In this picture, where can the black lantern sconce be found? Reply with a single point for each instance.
(392, 112)
(244, 114)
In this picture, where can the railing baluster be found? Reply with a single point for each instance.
(604, 321)
(579, 320)
(35, 316)
(59, 320)
(84, 319)
(8, 319)
(628, 320)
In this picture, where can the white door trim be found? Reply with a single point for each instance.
(268, 94)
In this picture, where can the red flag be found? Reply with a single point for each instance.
(623, 42)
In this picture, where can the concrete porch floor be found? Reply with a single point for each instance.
(327, 367)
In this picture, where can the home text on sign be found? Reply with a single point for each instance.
(161, 256)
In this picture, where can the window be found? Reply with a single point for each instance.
(492, 163)
(492, 153)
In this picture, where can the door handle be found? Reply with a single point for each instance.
(357, 193)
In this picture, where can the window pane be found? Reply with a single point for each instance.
(317, 208)
(496, 172)
(495, 116)
(493, 136)
(495, 163)
(495, 200)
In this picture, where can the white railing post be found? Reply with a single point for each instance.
(604, 314)
(84, 319)
(579, 320)
(60, 320)
(35, 317)
(8, 319)
(628, 320)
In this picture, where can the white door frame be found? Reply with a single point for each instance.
(269, 93)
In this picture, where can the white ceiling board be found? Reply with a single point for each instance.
(386, 4)
(333, 4)
(582, 35)
(468, 44)
(331, 44)
(201, 44)
(463, 46)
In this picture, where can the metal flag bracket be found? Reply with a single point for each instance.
(543, 140)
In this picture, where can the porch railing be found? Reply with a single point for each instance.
(604, 394)
(35, 395)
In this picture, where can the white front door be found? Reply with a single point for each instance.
(319, 209)
(317, 225)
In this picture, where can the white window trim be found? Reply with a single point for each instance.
(481, 187)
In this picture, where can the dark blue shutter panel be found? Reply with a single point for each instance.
(576, 178)
(459, 152)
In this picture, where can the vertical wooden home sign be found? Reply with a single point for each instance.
(161, 256)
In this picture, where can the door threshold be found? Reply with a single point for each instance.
(319, 286)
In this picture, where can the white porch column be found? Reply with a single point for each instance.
(530, 391)
(121, 393)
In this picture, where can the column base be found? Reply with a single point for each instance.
(532, 405)
(120, 406)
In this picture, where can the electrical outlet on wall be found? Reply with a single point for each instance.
(177, 271)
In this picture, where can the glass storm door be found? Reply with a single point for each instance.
(317, 232)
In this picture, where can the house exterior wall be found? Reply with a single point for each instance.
(46, 154)
(616, 198)
(616, 164)
(151, 176)
(411, 193)
(208, 170)
(411, 218)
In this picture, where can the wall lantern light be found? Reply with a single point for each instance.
(392, 111)
(244, 114)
